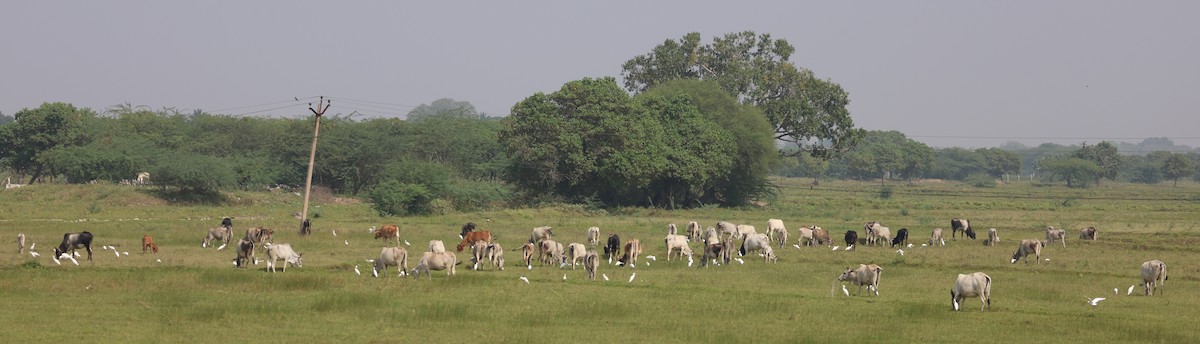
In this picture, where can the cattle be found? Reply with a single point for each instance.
(575, 253)
(227, 222)
(1053, 235)
(590, 263)
(527, 255)
(73, 241)
(821, 236)
(245, 250)
(957, 225)
(286, 253)
(805, 236)
(260, 236)
(758, 242)
(148, 244)
(551, 252)
(20, 243)
(633, 249)
(694, 230)
(993, 237)
(9, 185)
(388, 231)
(593, 236)
(974, 285)
(851, 238)
(437, 246)
(1087, 233)
(467, 228)
(901, 237)
(864, 275)
(1028, 247)
(612, 247)
(473, 237)
(142, 178)
(720, 252)
(672, 230)
(223, 234)
(478, 254)
(777, 231)
(494, 254)
(937, 237)
(877, 234)
(673, 242)
(726, 228)
(392, 256)
(743, 230)
(1154, 276)
(435, 261)
(540, 233)
(711, 236)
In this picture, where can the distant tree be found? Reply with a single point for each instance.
(804, 110)
(1177, 166)
(998, 162)
(193, 173)
(1075, 171)
(37, 131)
(5, 119)
(889, 153)
(444, 106)
(955, 163)
(1105, 155)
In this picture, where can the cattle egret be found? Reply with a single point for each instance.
(347, 242)
(1130, 292)
(158, 260)
(689, 261)
(117, 253)
(835, 248)
(356, 270)
(31, 247)
(369, 260)
(1047, 259)
(1094, 301)
(529, 267)
(523, 279)
(74, 261)
(851, 247)
(740, 261)
(652, 258)
(943, 242)
(126, 253)
(371, 230)
(619, 263)
(564, 277)
(605, 276)
(1116, 291)
(460, 237)
(406, 243)
(221, 248)
(374, 271)
(845, 291)
(923, 245)
(334, 231)
(63, 256)
(234, 262)
(632, 276)
(563, 265)
(796, 246)
(909, 245)
(901, 252)
(56, 261)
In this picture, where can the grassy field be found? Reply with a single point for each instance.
(195, 295)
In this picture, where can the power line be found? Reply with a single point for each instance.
(295, 100)
(1049, 138)
(986, 194)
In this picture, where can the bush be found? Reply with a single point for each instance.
(885, 192)
(193, 173)
(394, 198)
(980, 180)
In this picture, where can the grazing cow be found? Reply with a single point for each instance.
(993, 237)
(674, 242)
(758, 242)
(142, 178)
(392, 256)
(387, 232)
(806, 236)
(694, 230)
(227, 222)
(743, 230)
(245, 250)
(575, 253)
(467, 228)
(1154, 276)
(478, 254)
(633, 249)
(974, 285)
(1087, 233)
(20, 243)
(867, 275)
(437, 246)
(494, 254)
(540, 233)
(73, 241)
(777, 231)
(590, 263)
(148, 243)
(260, 236)
(473, 237)
(1028, 247)
(671, 229)
(1053, 235)
(593, 236)
(282, 251)
(851, 238)
(726, 228)
(551, 252)
(711, 236)
(527, 255)
(613, 247)
(821, 236)
(901, 237)
(883, 235)
(937, 237)
(222, 234)
(957, 225)
(435, 261)
(713, 252)
(870, 229)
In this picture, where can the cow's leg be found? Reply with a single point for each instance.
(89, 249)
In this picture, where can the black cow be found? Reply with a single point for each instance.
(851, 238)
(901, 237)
(963, 225)
(613, 246)
(227, 223)
(72, 241)
(467, 228)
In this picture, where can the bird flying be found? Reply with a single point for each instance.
(523, 279)
(1094, 301)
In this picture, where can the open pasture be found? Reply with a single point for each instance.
(196, 295)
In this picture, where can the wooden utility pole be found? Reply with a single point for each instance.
(322, 105)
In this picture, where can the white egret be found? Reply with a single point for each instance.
(356, 270)
(901, 252)
(523, 279)
(1094, 301)
(374, 271)
(845, 291)
(740, 261)
(631, 277)
(34, 254)
(652, 258)
(605, 276)
(1130, 292)
(835, 247)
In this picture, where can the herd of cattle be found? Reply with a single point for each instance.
(719, 246)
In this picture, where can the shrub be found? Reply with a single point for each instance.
(398, 199)
(980, 180)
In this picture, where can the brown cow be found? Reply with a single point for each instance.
(388, 232)
(148, 243)
(472, 237)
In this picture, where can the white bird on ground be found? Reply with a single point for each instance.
(34, 254)
(605, 276)
(221, 248)
(523, 279)
(126, 253)
(74, 261)
(1130, 291)
(923, 245)
(334, 231)
(374, 271)
(356, 270)
(901, 252)
(740, 261)
(564, 277)
(56, 261)
(652, 258)
(909, 245)
(647, 263)
(632, 276)
(117, 253)
(943, 242)
(234, 262)
(460, 237)
(845, 291)
(609, 260)
(158, 260)
(256, 261)
(31, 247)
(796, 246)
(851, 247)
(690, 261)
(529, 267)
(406, 243)
(563, 265)
(1047, 259)
(371, 230)
(63, 256)
(347, 242)
(1094, 301)
(620, 263)
(835, 248)
(77, 254)
(369, 260)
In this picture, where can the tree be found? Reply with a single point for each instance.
(803, 110)
(40, 130)
(193, 173)
(998, 162)
(1105, 155)
(1177, 166)
(1075, 171)
(5, 119)
(444, 106)
(888, 153)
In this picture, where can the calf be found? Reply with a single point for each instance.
(936, 237)
(286, 253)
(1028, 247)
(1087, 233)
(806, 236)
(1053, 235)
(679, 242)
(590, 263)
(901, 237)
(851, 238)
(877, 232)
(245, 250)
(821, 236)
(993, 237)
(974, 285)
(1154, 276)
(867, 275)
(392, 256)
(222, 234)
(435, 261)
(612, 247)
(72, 241)
(694, 231)
(148, 244)
(957, 225)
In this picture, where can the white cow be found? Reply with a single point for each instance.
(1028, 247)
(694, 231)
(679, 242)
(1154, 275)
(806, 236)
(974, 285)
(591, 262)
(392, 256)
(575, 253)
(758, 242)
(777, 231)
(1053, 235)
(877, 233)
(437, 246)
(936, 237)
(711, 237)
(743, 230)
(867, 275)
(495, 254)
(671, 229)
(435, 261)
(726, 228)
(593, 236)
(285, 252)
(993, 237)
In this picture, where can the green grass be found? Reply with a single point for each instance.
(196, 295)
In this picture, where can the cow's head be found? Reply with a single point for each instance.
(848, 275)
(58, 252)
(297, 260)
(970, 233)
(954, 299)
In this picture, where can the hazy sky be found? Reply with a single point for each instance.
(988, 71)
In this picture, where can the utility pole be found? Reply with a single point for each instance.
(322, 105)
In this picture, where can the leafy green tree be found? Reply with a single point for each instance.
(444, 107)
(889, 153)
(5, 119)
(193, 173)
(38, 131)
(1177, 166)
(956, 163)
(1075, 171)
(803, 110)
(998, 162)
(394, 198)
(1105, 155)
